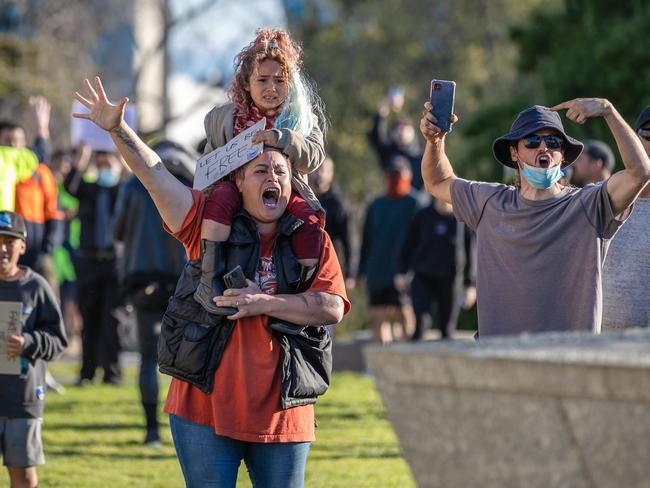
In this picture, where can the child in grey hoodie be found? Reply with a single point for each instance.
(39, 337)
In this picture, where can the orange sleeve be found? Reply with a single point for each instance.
(51, 193)
(190, 232)
(330, 277)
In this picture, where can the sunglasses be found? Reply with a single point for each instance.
(644, 134)
(534, 141)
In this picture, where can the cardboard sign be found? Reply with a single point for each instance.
(10, 324)
(236, 153)
(84, 131)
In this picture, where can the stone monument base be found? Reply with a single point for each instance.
(551, 410)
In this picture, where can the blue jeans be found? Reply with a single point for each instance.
(211, 460)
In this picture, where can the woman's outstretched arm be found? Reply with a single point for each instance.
(172, 198)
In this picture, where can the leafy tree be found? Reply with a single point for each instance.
(585, 49)
(356, 50)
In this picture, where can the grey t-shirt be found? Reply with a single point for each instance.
(626, 274)
(539, 262)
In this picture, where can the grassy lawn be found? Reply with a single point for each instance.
(93, 438)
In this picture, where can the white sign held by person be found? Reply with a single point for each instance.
(84, 131)
(225, 159)
(10, 324)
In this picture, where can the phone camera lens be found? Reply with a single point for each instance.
(437, 87)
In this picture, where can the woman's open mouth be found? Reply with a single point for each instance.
(270, 197)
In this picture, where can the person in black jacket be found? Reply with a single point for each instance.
(399, 141)
(96, 267)
(152, 262)
(438, 250)
(338, 221)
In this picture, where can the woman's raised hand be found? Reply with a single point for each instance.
(103, 113)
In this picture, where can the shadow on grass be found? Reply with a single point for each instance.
(94, 427)
(363, 450)
(131, 442)
(71, 405)
(149, 455)
(334, 414)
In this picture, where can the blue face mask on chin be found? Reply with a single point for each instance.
(107, 178)
(542, 178)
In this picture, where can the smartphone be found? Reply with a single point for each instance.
(442, 102)
(235, 278)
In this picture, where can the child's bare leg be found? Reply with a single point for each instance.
(380, 328)
(214, 231)
(23, 477)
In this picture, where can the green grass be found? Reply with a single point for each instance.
(93, 437)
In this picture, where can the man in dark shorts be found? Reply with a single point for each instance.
(387, 219)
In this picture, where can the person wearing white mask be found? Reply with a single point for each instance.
(96, 266)
(540, 245)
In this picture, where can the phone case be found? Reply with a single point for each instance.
(235, 278)
(442, 102)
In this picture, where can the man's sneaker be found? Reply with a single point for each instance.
(113, 380)
(152, 439)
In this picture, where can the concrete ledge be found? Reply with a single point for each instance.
(551, 410)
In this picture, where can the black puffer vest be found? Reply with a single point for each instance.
(192, 341)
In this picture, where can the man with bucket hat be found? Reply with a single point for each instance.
(540, 245)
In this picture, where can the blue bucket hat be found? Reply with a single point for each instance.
(531, 120)
(643, 118)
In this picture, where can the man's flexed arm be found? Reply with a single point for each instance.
(624, 186)
(437, 173)
(172, 198)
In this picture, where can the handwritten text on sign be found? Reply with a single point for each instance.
(10, 324)
(236, 153)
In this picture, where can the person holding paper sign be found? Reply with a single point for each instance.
(268, 84)
(235, 394)
(40, 336)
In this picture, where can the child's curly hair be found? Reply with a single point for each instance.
(273, 44)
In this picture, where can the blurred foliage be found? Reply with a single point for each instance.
(591, 48)
(46, 50)
(366, 47)
(504, 55)
(584, 48)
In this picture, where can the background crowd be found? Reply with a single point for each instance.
(101, 247)
(94, 234)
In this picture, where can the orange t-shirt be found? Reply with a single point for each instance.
(245, 401)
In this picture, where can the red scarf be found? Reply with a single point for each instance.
(245, 120)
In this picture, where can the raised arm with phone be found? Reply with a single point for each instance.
(522, 284)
